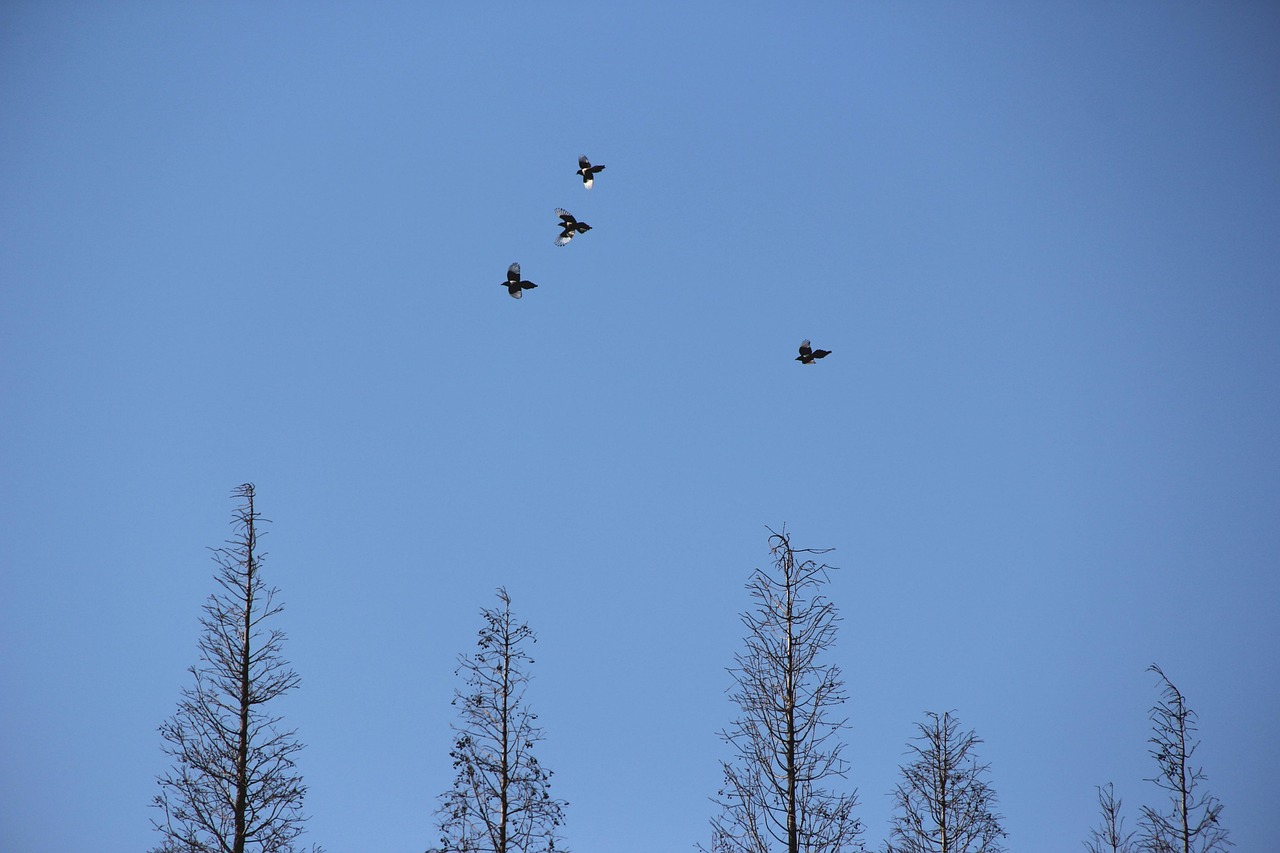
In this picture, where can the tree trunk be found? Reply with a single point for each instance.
(793, 832)
(242, 752)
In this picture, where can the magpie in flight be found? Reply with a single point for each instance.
(808, 355)
(587, 171)
(570, 227)
(514, 285)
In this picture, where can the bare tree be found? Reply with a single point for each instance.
(1191, 824)
(500, 801)
(1110, 837)
(775, 793)
(233, 787)
(943, 803)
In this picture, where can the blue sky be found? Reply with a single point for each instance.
(245, 243)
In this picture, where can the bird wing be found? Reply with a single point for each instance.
(513, 272)
(583, 162)
(565, 237)
(804, 348)
(565, 215)
(821, 353)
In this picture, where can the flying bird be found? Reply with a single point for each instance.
(570, 227)
(515, 286)
(808, 355)
(587, 171)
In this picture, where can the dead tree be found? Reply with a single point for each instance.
(233, 787)
(1110, 837)
(500, 801)
(943, 803)
(775, 794)
(1190, 824)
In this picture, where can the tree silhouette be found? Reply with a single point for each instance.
(943, 804)
(500, 801)
(1191, 823)
(233, 787)
(1110, 837)
(774, 791)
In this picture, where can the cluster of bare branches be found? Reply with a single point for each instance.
(778, 790)
(1110, 836)
(234, 786)
(1191, 819)
(778, 793)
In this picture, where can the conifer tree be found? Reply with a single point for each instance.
(1190, 822)
(943, 803)
(1110, 837)
(233, 786)
(777, 792)
(501, 797)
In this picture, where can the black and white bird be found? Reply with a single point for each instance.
(515, 285)
(569, 227)
(587, 171)
(808, 355)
